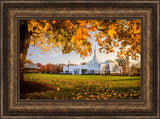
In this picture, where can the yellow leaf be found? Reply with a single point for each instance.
(46, 27)
(112, 32)
(58, 89)
(53, 21)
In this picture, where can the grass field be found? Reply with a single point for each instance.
(88, 87)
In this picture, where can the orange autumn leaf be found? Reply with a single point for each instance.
(73, 35)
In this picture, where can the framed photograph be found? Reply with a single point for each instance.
(58, 60)
(80, 59)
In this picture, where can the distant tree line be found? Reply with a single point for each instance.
(51, 68)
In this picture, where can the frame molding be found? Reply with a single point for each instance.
(14, 11)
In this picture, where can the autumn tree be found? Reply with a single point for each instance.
(54, 68)
(49, 68)
(44, 68)
(73, 35)
(60, 69)
(40, 65)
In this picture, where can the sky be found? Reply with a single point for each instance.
(58, 58)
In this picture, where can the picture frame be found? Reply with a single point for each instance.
(14, 11)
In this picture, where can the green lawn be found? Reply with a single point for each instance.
(88, 87)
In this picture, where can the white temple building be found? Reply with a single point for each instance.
(93, 67)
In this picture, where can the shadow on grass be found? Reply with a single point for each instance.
(30, 86)
(134, 79)
(45, 91)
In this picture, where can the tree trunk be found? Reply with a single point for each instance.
(128, 68)
(24, 44)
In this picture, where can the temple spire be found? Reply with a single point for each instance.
(95, 53)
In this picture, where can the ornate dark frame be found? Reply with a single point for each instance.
(13, 11)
